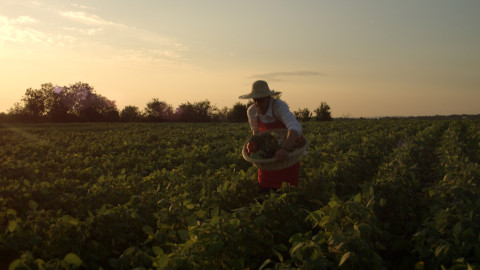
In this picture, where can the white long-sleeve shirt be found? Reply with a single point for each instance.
(282, 113)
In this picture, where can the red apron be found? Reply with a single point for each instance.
(274, 179)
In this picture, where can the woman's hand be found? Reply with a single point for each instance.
(281, 154)
(289, 142)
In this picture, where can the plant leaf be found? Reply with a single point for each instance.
(12, 225)
(73, 259)
(344, 258)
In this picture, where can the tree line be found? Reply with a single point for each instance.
(80, 102)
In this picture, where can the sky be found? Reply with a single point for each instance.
(366, 58)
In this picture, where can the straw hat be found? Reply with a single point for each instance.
(260, 89)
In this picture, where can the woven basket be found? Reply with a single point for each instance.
(271, 164)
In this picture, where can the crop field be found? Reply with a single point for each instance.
(372, 194)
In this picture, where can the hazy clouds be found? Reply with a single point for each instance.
(280, 76)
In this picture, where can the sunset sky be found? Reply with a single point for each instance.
(364, 58)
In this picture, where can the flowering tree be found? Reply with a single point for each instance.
(77, 102)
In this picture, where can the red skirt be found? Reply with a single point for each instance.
(274, 179)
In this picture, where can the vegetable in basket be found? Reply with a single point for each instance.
(264, 145)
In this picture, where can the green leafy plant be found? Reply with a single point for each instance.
(373, 194)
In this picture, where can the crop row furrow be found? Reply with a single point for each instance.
(398, 187)
(350, 155)
(449, 233)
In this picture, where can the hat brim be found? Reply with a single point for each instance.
(252, 95)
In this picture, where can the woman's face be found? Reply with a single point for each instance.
(262, 104)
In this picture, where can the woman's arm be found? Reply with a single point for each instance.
(283, 113)
(294, 129)
(252, 119)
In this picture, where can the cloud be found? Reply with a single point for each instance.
(90, 19)
(23, 20)
(88, 32)
(7, 22)
(16, 30)
(78, 26)
(36, 4)
(82, 6)
(165, 53)
(149, 55)
(151, 46)
(278, 76)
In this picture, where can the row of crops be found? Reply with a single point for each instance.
(373, 194)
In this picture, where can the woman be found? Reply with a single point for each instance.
(270, 113)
